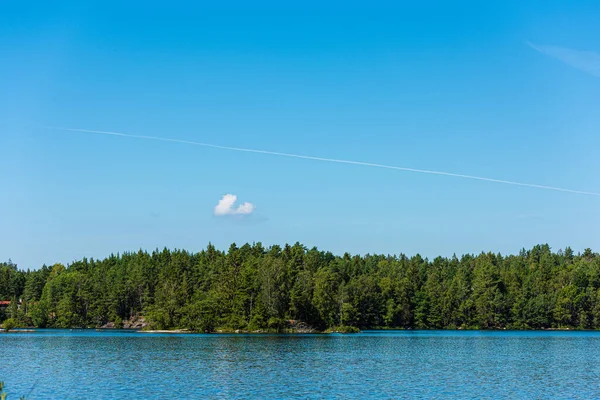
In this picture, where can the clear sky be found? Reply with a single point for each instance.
(507, 90)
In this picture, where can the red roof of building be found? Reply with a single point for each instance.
(4, 302)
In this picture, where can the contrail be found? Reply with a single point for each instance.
(332, 160)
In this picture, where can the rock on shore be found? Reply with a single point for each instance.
(132, 323)
(301, 327)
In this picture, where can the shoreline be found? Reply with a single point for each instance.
(297, 329)
(265, 332)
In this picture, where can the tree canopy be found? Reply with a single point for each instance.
(252, 287)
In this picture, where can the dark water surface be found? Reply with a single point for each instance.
(86, 364)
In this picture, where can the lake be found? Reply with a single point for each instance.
(88, 364)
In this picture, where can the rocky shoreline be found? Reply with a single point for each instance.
(132, 323)
(141, 325)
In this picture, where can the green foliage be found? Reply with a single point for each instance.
(200, 315)
(256, 288)
(344, 329)
(9, 324)
(276, 324)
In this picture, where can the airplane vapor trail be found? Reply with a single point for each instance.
(332, 160)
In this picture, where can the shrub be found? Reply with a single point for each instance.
(344, 329)
(9, 324)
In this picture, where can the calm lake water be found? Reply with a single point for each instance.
(82, 364)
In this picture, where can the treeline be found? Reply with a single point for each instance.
(252, 287)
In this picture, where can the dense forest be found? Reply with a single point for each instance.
(252, 288)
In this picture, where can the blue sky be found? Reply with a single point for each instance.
(508, 91)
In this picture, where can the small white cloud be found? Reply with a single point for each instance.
(226, 206)
(586, 61)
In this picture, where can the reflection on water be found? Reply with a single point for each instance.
(84, 364)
